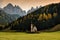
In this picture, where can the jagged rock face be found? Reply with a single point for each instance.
(10, 9)
(32, 9)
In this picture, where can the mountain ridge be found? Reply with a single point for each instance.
(10, 9)
(43, 18)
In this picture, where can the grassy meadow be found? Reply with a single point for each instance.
(27, 36)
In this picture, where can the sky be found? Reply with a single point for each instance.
(27, 4)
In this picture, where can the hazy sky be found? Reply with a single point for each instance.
(27, 4)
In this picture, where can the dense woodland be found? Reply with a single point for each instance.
(43, 18)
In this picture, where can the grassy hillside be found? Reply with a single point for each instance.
(25, 36)
(56, 28)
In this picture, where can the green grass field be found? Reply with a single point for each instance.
(25, 36)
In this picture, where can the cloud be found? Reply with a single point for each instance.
(27, 4)
(1, 2)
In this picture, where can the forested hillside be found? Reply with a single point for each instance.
(43, 18)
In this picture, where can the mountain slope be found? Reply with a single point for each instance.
(56, 28)
(6, 18)
(43, 18)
